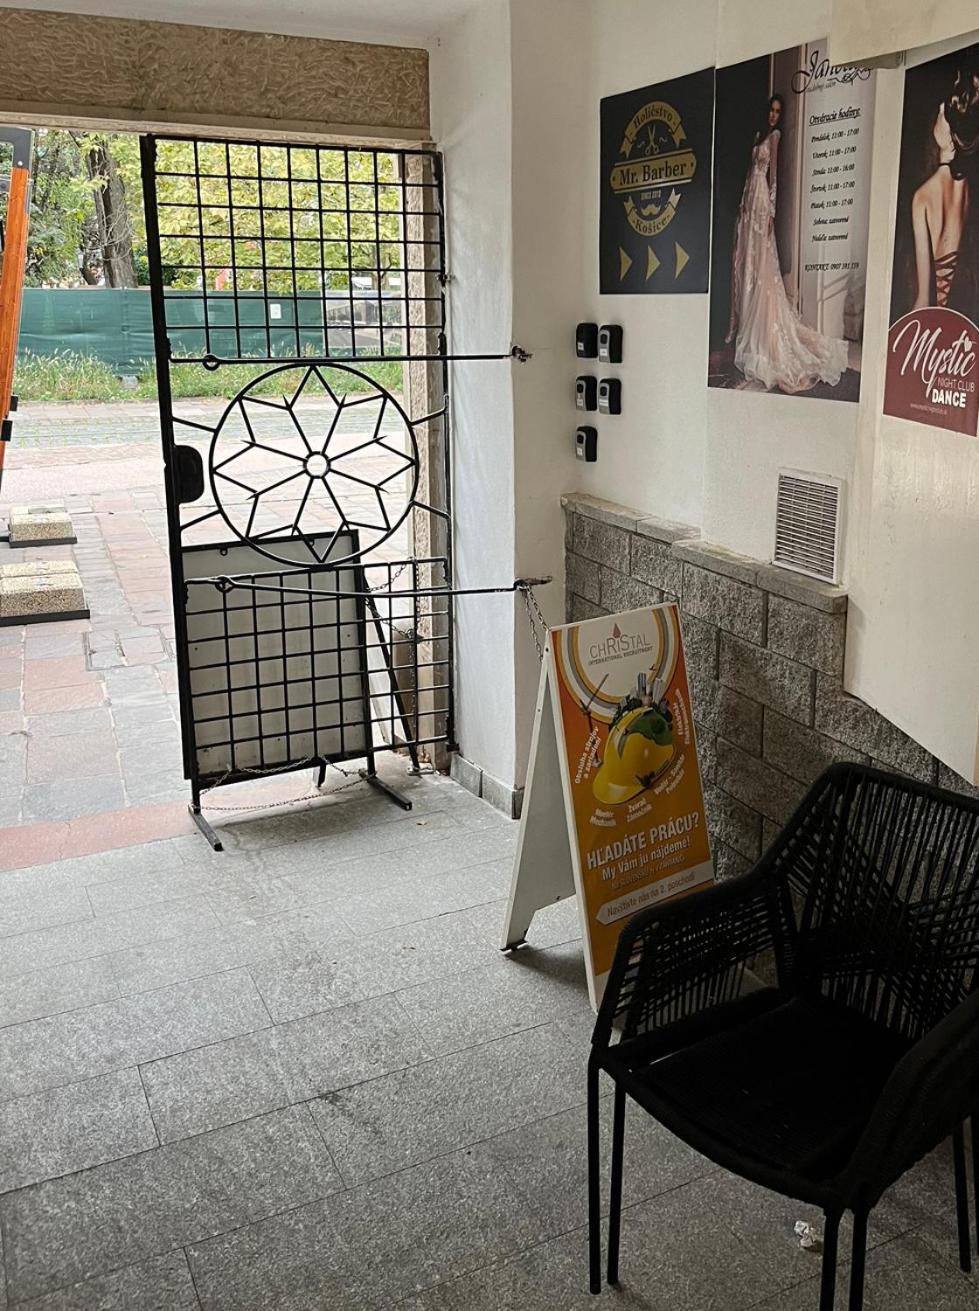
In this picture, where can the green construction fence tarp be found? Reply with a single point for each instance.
(116, 325)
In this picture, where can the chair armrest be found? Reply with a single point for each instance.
(690, 954)
(931, 1090)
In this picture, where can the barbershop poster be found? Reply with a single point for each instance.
(792, 162)
(931, 373)
(655, 187)
(614, 765)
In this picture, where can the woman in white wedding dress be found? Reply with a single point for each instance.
(772, 345)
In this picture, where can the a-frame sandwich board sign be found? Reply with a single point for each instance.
(614, 808)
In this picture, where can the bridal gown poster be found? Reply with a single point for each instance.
(932, 341)
(792, 157)
(655, 187)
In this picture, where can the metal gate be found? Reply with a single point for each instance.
(298, 297)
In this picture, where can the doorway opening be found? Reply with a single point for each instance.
(300, 297)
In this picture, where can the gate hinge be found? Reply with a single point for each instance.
(446, 277)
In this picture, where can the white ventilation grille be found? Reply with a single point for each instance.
(807, 524)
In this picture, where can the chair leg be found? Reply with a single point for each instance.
(831, 1240)
(859, 1265)
(615, 1200)
(594, 1190)
(974, 1134)
(962, 1216)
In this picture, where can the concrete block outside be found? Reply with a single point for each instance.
(39, 525)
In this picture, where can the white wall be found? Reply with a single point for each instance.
(552, 185)
(471, 118)
(652, 456)
(516, 87)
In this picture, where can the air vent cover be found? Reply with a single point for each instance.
(807, 524)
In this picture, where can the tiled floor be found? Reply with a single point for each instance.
(299, 1075)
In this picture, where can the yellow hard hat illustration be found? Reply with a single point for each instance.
(640, 746)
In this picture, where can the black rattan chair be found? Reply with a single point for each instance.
(857, 1059)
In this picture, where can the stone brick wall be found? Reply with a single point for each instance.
(764, 652)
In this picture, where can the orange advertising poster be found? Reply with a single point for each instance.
(631, 779)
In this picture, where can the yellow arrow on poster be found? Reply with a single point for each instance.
(652, 263)
(614, 807)
(625, 264)
(682, 259)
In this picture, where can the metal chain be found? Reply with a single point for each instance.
(283, 769)
(536, 618)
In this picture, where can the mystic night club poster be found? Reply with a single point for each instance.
(932, 342)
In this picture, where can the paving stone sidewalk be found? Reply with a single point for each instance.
(89, 720)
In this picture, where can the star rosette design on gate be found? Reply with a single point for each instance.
(314, 465)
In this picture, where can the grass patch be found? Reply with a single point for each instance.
(70, 376)
(66, 376)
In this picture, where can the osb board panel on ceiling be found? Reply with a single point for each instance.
(87, 67)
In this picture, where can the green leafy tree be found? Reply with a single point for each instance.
(86, 209)
(309, 218)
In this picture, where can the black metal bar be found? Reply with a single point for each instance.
(615, 1198)
(205, 828)
(232, 581)
(831, 1244)
(858, 1266)
(147, 153)
(962, 1217)
(594, 1185)
(211, 361)
(392, 793)
(397, 700)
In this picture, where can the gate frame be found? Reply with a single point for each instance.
(422, 372)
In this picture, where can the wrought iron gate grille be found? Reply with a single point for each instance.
(284, 251)
(301, 289)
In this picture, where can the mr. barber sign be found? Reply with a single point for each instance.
(656, 170)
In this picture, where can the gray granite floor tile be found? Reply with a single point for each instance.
(380, 827)
(295, 934)
(369, 967)
(434, 1108)
(163, 1284)
(84, 1226)
(924, 1200)
(552, 1276)
(110, 932)
(145, 888)
(425, 896)
(546, 1160)
(515, 992)
(312, 878)
(551, 927)
(80, 1044)
(370, 1246)
(123, 862)
(54, 1133)
(59, 988)
(902, 1275)
(293, 1262)
(29, 911)
(293, 1062)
